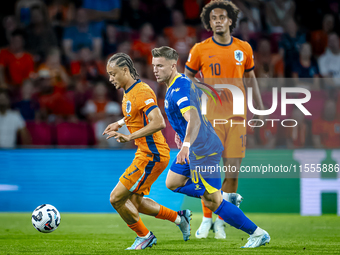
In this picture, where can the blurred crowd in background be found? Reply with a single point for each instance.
(54, 90)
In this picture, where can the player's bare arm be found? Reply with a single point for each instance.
(193, 127)
(250, 81)
(178, 141)
(156, 123)
(190, 74)
(114, 126)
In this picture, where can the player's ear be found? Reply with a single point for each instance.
(211, 24)
(230, 21)
(126, 70)
(174, 65)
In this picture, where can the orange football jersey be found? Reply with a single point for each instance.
(138, 101)
(222, 64)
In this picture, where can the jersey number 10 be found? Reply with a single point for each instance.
(215, 69)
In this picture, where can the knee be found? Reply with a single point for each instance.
(212, 205)
(174, 180)
(114, 200)
(212, 202)
(171, 185)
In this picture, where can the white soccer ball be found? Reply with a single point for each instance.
(46, 218)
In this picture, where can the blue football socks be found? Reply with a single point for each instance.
(235, 217)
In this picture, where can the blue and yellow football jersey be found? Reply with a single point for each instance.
(181, 96)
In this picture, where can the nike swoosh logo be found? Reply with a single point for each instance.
(212, 56)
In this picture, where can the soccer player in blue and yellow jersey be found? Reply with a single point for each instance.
(144, 121)
(194, 170)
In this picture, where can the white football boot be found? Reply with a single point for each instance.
(219, 228)
(258, 238)
(203, 230)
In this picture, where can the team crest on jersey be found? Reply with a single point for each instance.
(238, 55)
(176, 90)
(166, 104)
(128, 107)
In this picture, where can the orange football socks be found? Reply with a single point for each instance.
(166, 214)
(207, 213)
(139, 228)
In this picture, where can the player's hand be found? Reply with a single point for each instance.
(183, 155)
(111, 127)
(178, 141)
(255, 121)
(119, 137)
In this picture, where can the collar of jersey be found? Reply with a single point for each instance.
(138, 81)
(221, 44)
(173, 81)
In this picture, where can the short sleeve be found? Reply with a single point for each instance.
(249, 65)
(181, 98)
(193, 63)
(147, 101)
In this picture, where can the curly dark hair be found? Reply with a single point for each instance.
(231, 9)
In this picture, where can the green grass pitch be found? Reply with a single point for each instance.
(108, 234)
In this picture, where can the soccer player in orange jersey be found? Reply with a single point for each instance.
(223, 59)
(144, 121)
